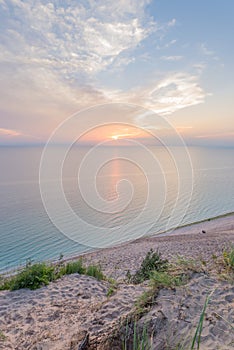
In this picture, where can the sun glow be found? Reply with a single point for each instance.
(123, 136)
(113, 133)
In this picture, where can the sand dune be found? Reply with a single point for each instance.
(54, 317)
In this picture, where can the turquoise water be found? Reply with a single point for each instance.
(26, 230)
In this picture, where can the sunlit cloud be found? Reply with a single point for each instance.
(9, 132)
(57, 58)
(181, 128)
(215, 135)
(172, 93)
(55, 50)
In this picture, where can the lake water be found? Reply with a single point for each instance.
(160, 190)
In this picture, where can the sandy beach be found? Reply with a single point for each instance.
(60, 315)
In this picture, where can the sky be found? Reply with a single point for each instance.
(172, 57)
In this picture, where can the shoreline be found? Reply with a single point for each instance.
(223, 221)
(53, 316)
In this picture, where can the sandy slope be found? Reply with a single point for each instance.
(50, 317)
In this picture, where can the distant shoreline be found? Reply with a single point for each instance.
(188, 229)
(174, 230)
(204, 220)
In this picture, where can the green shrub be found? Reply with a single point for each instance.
(32, 277)
(152, 262)
(94, 271)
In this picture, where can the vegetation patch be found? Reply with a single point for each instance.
(152, 262)
(95, 271)
(34, 276)
(112, 287)
(228, 257)
(136, 338)
(2, 336)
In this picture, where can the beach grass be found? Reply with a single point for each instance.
(95, 271)
(197, 336)
(34, 276)
(153, 261)
(138, 340)
(228, 257)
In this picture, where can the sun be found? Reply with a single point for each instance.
(115, 137)
(124, 135)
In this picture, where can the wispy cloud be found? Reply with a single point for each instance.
(56, 52)
(216, 135)
(172, 58)
(170, 43)
(83, 37)
(9, 132)
(205, 50)
(172, 93)
(172, 22)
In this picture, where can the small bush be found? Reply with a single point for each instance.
(152, 262)
(32, 277)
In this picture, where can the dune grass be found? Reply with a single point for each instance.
(153, 261)
(136, 339)
(94, 271)
(140, 338)
(228, 257)
(36, 275)
(197, 336)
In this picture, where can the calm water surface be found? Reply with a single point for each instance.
(27, 232)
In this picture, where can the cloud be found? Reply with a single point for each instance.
(171, 58)
(82, 37)
(9, 132)
(206, 51)
(172, 42)
(199, 67)
(216, 135)
(170, 94)
(172, 23)
(52, 54)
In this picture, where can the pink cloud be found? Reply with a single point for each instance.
(9, 132)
